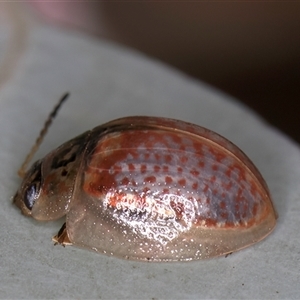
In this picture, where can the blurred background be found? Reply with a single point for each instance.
(249, 49)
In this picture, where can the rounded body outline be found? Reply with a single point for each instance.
(152, 189)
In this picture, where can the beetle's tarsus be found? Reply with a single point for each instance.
(229, 253)
(62, 237)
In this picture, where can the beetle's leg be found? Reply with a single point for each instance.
(62, 237)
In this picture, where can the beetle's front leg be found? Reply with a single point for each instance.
(62, 237)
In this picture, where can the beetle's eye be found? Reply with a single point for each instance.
(31, 195)
(32, 186)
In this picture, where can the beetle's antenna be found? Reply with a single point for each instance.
(22, 170)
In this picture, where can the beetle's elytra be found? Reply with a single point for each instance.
(148, 188)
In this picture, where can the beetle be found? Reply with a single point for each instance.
(148, 188)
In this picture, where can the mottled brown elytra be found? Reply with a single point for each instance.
(149, 188)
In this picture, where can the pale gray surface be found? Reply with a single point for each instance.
(107, 82)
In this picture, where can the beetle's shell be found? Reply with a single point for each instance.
(160, 189)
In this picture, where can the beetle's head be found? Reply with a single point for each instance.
(47, 187)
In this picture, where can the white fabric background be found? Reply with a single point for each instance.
(107, 81)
